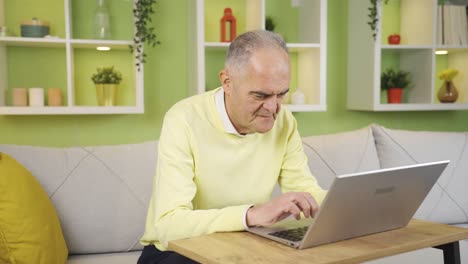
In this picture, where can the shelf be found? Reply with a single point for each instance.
(217, 45)
(454, 47)
(75, 110)
(306, 108)
(54, 42)
(367, 58)
(291, 46)
(421, 107)
(304, 30)
(68, 62)
(409, 47)
(89, 43)
(32, 42)
(295, 47)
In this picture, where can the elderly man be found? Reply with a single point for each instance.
(222, 152)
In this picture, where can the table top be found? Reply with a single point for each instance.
(244, 247)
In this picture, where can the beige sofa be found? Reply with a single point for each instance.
(101, 193)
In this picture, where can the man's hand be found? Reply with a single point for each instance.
(281, 207)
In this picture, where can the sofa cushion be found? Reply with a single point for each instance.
(30, 230)
(340, 153)
(447, 202)
(101, 193)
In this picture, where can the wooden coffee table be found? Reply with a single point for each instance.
(243, 247)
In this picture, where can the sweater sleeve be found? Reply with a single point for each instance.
(295, 175)
(172, 213)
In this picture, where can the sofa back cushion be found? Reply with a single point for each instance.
(340, 153)
(101, 194)
(447, 202)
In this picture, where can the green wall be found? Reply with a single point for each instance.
(166, 82)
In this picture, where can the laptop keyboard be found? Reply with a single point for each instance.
(295, 234)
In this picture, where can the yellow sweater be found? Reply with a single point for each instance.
(206, 178)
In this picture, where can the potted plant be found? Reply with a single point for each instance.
(270, 23)
(106, 80)
(142, 12)
(394, 81)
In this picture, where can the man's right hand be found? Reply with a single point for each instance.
(281, 207)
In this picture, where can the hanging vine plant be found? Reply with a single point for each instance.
(142, 12)
(373, 17)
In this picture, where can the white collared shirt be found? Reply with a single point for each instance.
(221, 106)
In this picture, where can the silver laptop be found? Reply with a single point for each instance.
(359, 204)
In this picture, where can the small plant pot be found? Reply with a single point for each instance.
(394, 95)
(106, 94)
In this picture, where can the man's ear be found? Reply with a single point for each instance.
(225, 81)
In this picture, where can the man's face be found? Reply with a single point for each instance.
(253, 99)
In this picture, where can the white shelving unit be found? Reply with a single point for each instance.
(416, 22)
(70, 47)
(307, 45)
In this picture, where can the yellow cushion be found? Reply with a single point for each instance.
(30, 230)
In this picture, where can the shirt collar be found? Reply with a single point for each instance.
(221, 107)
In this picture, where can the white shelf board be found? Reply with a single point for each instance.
(217, 45)
(306, 108)
(451, 46)
(294, 47)
(406, 46)
(33, 42)
(92, 43)
(70, 110)
(291, 46)
(421, 107)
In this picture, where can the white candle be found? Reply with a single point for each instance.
(36, 97)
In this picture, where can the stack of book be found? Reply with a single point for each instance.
(452, 25)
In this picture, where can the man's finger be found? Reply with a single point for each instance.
(313, 204)
(304, 205)
(293, 209)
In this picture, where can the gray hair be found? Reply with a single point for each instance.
(241, 49)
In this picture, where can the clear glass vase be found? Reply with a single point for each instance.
(101, 21)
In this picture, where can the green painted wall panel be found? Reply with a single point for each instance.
(166, 82)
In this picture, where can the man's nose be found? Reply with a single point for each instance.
(271, 104)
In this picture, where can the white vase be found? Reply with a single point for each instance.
(298, 97)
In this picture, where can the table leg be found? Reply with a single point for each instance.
(451, 252)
